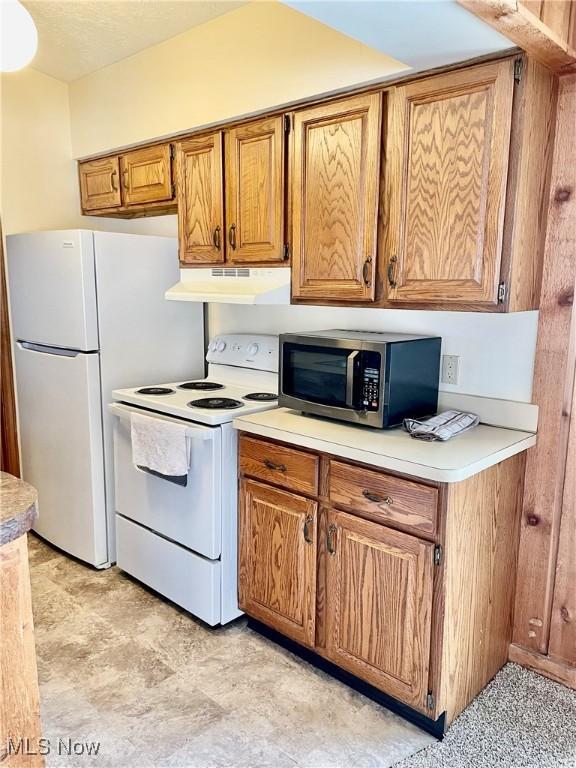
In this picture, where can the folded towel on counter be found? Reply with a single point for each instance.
(160, 446)
(443, 426)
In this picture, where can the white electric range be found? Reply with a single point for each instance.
(182, 541)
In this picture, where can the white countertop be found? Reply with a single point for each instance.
(461, 457)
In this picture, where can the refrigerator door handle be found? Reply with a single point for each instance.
(48, 350)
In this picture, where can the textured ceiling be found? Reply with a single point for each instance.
(76, 37)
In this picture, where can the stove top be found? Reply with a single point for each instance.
(203, 386)
(215, 403)
(237, 393)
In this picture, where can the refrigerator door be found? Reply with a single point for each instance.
(52, 288)
(59, 409)
(144, 339)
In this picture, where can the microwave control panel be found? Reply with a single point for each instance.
(371, 381)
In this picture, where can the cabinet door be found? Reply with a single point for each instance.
(277, 576)
(448, 146)
(147, 175)
(99, 184)
(335, 186)
(379, 603)
(200, 200)
(255, 191)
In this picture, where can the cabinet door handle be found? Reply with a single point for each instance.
(216, 238)
(330, 539)
(232, 236)
(366, 271)
(112, 182)
(306, 532)
(376, 498)
(272, 465)
(391, 279)
(126, 178)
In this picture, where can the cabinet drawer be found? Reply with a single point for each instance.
(384, 498)
(277, 464)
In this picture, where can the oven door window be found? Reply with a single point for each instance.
(316, 374)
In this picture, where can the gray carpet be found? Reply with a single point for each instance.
(521, 720)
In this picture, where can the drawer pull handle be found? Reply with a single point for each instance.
(307, 522)
(376, 498)
(272, 465)
(330, 539)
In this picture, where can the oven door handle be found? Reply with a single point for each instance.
(350, 378)
(200, 432)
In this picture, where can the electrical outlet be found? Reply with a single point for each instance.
(450, 366)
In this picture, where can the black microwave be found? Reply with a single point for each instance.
(375, 379)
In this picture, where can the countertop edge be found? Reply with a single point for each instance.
(387, 462)
(18, 510)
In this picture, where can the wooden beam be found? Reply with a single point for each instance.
(563, 619)
(544, 665)
(546, 461)
(9, 454)
(516, 22)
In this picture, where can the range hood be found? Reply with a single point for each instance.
(233, 285)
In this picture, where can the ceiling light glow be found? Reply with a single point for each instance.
(18, 36)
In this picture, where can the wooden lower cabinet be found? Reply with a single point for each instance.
(423, 615)
(379, 605)
(278, 559)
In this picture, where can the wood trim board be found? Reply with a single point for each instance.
(9, 452)
(546, 462)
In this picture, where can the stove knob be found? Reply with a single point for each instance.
(252, 349)
(220, 346)
(212, 346)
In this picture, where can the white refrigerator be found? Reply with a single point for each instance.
(88, 316)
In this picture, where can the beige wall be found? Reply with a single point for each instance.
(38, 176)
(261, 55)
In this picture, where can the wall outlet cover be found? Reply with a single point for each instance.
(450, 367)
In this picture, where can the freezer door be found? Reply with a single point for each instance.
(60, 419)
(52, 288)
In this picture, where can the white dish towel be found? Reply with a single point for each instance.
(160, 445)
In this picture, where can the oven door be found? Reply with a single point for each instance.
(321, 376)
(190, 516)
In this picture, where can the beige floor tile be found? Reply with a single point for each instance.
(157, 687)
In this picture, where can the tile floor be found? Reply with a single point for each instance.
(119, 665)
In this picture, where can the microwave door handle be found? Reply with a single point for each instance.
(350, 378)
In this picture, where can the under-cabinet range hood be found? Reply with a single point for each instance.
(233, 285)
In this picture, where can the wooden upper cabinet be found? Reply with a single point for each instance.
(100, 183)
(447, 159)
(277, 572)
(379, 606)
(335, 183)
(200, 199)
(255, 191)
(147, 175)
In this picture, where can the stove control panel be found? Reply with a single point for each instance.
(246, 350)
